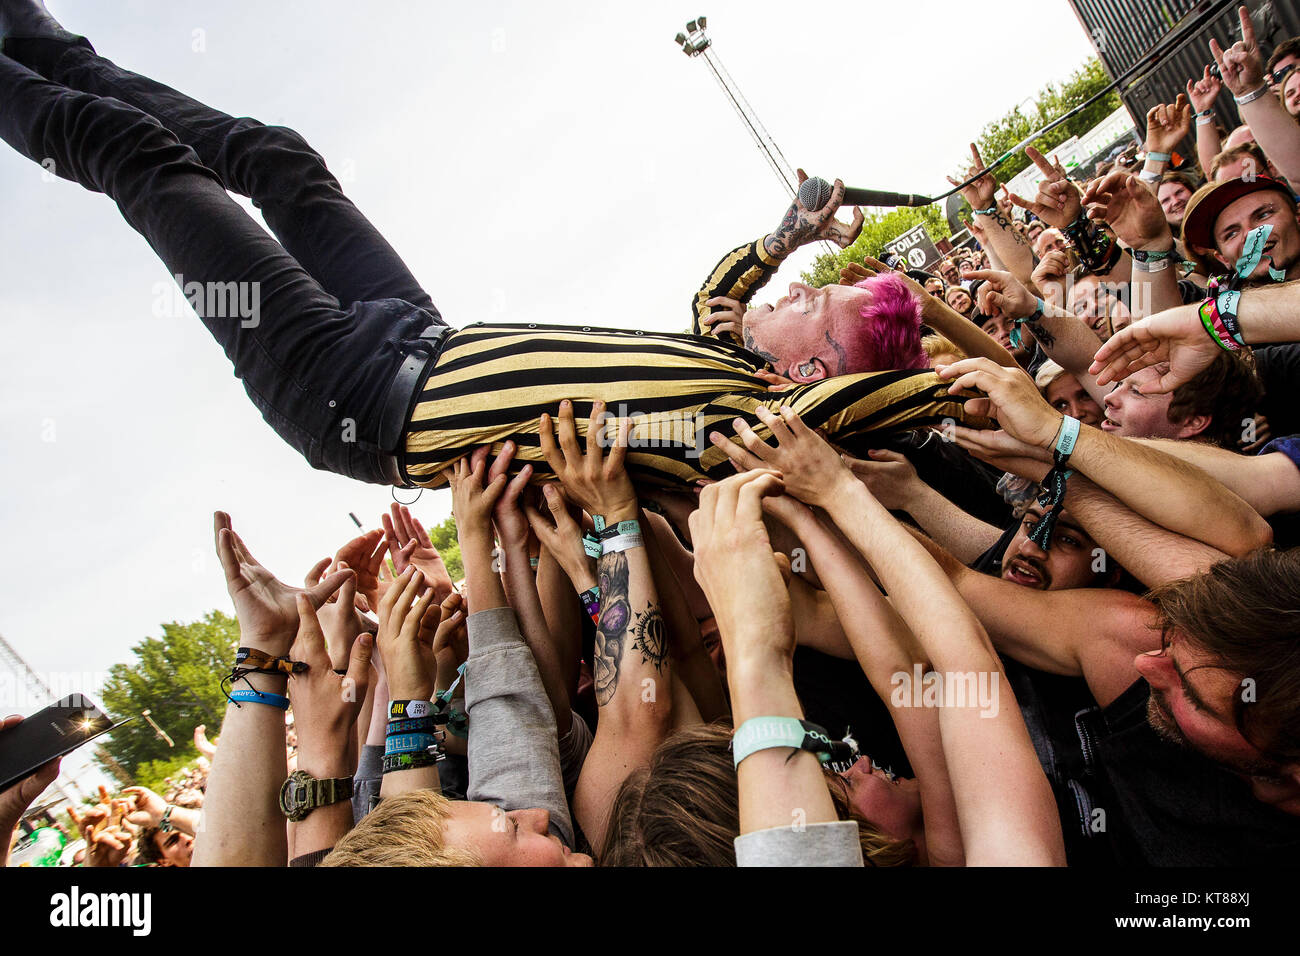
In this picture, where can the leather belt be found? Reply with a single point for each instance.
(401, 394)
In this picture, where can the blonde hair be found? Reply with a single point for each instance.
(682, 809)
(1048, 373)
(406, 830)
(936, 345)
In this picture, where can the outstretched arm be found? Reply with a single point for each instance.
(243, 824)
(885, 648)
(1009, 246)
(746, 269)
(1067, 341)
(785, 809)
(1004, 804)
(1156, 486)
(1176, 336)
(1203, 93)
(631, 666)
(1242, 69)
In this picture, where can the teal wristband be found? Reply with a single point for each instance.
(763, 733)
(1159, 157)
(991, 211)
(1066, 437)
(623, 527)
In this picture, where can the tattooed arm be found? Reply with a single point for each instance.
(745, 270)
(630, 664)
(1067, 341)
(1004, 242)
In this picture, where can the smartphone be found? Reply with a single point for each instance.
(53, 732)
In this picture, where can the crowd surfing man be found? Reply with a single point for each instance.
(350, 361)
(1135, 615)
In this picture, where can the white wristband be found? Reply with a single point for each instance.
(621, 542)
(1252, 96)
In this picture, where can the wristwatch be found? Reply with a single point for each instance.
(302, 793)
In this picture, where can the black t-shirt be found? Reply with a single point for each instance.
(1169, 806)
(1278, 367)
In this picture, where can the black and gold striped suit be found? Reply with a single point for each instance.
(492, 383)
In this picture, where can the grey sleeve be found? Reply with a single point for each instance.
(573, 752)
(514, 758)
(817, 844)
(367, 780)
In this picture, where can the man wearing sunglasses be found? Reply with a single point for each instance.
(1285, 58)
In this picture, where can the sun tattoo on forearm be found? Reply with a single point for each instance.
(650, 636)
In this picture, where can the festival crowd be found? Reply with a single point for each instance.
(1069, 638)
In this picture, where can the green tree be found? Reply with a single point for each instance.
(444, 539)
(1051, 103)
(177, 677)
(877, 229)
(999, 136)
(154, 773)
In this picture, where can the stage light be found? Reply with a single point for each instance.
(681, 39)
(704, 22)
(690, 27)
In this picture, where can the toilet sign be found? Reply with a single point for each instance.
(916, 247)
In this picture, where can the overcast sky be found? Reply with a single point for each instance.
(531, 161)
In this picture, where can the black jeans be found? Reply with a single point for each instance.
(318, 324)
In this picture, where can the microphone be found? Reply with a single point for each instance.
(815, 192)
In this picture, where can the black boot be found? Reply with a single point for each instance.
(28, 19)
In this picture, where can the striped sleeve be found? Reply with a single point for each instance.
(742, 272)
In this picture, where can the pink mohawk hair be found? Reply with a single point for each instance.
(891, 318)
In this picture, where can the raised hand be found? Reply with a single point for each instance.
(808, 465)
(1167, 125)
(730, 317)
(561, 535)
(340, 618)
(1001, 450)
(888, 475)
(471, 502)
(1002, 294)
(1204, 91)
(1241, 65)
(1012, 398)
(266, 607)
(364, 555)
(980, 194)
(775, 382)
(740, 574)
(1175, 336)
(449, 639)
(1057, 202)
(508, 513)
(147, 808)
(404, 526)
(201, 743)
(406, 646)
(326, 704)
(1049, 275)
(108, 843)
(597, 483)
(1132, 211)
(801, 225)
